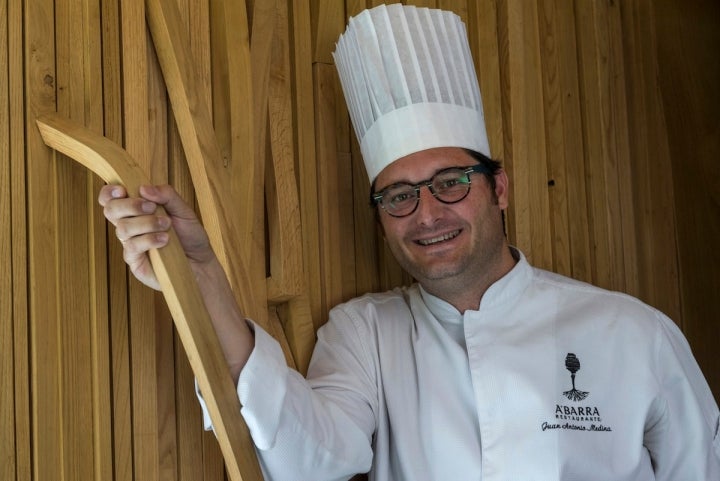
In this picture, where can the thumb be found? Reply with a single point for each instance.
(168, 197)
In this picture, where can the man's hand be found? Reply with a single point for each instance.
(140, 228)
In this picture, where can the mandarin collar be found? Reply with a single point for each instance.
(506, 289)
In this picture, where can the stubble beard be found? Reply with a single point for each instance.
(476, 266)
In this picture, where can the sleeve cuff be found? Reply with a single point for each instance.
(261, 389)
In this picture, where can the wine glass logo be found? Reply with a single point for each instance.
(572, 364)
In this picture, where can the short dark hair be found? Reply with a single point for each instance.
(493, 166)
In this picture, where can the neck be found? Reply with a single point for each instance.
(467, 293)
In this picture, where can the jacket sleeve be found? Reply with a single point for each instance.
(682, 434)
(304, 429)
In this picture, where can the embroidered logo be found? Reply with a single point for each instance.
(572, 364)
(575, 417)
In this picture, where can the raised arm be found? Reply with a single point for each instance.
(141, 226)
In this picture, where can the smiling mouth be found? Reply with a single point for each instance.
(438, 239)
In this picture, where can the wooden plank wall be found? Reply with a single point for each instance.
(604, 114)
(688, 73)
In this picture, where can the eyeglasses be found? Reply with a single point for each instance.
(449, 186)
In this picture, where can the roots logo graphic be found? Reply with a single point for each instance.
(572, 364)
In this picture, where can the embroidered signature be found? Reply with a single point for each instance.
(575, 427)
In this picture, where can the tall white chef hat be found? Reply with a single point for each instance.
(409, 82)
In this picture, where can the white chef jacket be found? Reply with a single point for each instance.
(550, 379)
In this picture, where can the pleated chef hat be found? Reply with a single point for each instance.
(409, 83)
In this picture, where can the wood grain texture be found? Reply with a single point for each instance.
(557, 167)
(203, 153)
(484, 45)
(227, 229)
(623, 93)
(193, 120)
(73, 315)
(286, 278)
(142, 368)
(566, 166)
(191, 439)
(43, 298)
(7, 352)
(688, 75)
(527, 161)
(19, 243)
(328, 189)
(118, 295)
(653, 194)
(192, 321)
(328, 22)
(306, 169)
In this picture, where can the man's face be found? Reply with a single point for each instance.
(446, 244)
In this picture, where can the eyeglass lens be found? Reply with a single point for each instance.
(449, 186)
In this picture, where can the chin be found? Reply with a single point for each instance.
(438, 272)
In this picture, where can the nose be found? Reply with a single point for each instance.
(429, 208)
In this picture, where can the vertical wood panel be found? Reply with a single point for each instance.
(328, 188)
(688, 75)
(345, 180)
(19, 244)
(43, 296)
(553, 96)
(162, 323)
(593, 90)
(656, 279)
(529, 209)
(619, 186)
(328, 19)
(286, 226)
(566, 176)
(7, 352)
(142, 302)
(117, 311)
(571, 153)
(284, 244)
(328, 22)
(366, 227)
(74, 47)
(365, 224)
(304, 130)
(606, 155)
(192, 442)
(484, 44)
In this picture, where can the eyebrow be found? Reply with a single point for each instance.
(421, 182)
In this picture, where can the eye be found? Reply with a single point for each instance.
(449, 179)
(399, 195)
(447, 183)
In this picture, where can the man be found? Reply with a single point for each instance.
(486, 368)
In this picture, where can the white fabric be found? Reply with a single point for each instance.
(438, 395)
(394, 58)
(411, 131)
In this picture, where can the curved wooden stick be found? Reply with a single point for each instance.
(192, 321)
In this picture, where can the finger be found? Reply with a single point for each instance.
(117, 209)
(127, 228)
(138, 246)
(109, 192)
(135, 256)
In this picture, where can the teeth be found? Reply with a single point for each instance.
(435, 240)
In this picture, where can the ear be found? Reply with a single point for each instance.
(502, 189)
